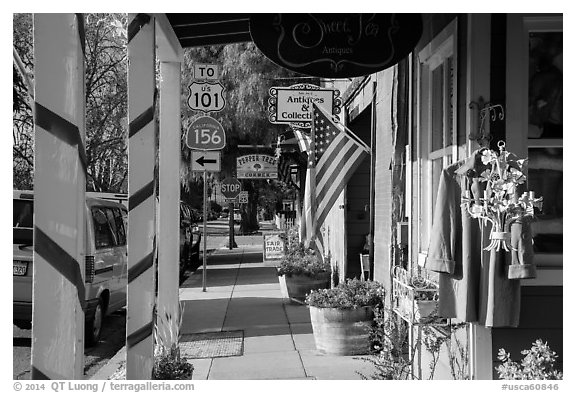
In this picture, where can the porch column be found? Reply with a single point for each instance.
(169, 208)
(478, 85)
(59, 197)
(142, 197)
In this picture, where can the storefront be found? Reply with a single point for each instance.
(473, 80)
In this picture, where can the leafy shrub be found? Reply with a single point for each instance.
(169, 365)
(300, 260)
(351, 294)
(538, 363)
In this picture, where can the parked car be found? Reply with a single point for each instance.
(188, 228)
(106, 261)
(224, 213)
(237, 216)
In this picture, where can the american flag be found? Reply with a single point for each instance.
(304, 140)
(335, 154)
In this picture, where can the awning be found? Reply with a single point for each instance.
(210, 29)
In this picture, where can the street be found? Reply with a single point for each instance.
(113, 338)
(114, 330)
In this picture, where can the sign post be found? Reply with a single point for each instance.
(206, 134)
(230, 188)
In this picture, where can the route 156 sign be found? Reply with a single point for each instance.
(206, 96)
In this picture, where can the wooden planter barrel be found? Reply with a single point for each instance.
(342, 331)
(298, 286)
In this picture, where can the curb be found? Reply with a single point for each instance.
(113, 365)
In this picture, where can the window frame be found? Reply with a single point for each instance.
(442, 47)
(517, 94)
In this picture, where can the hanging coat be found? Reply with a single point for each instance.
(474, 285)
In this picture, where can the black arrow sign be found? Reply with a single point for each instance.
(203, 160)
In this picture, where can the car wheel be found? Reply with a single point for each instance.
(94, 326)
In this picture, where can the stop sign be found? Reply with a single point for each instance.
(230, 188)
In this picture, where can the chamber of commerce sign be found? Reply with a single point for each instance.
(336, 45)
(256, 166)
(293, 105)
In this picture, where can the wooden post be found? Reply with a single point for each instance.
(169, 197)
(59, 197)
(142, 197)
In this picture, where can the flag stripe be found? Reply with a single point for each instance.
(337, 171)
(335, 162)
(331, 154)
(324, 208)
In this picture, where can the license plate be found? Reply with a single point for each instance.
(20, 268)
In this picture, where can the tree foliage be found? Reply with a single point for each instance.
(106, 103)
(247, 76)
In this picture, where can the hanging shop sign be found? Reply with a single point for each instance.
(257, 166)
(293, 105)
(206, 96)
(206, 133)
(273, 246)
(336, 45)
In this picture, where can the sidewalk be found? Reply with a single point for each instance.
(242, 329)
(243, 296)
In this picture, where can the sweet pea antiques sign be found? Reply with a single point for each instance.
(256, 166)
(336, 45)
(293, 105)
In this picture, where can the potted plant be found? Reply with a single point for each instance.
(415, 298)
(342, 316)
(301, 271)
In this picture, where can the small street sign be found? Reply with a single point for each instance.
(243, 197)
(206, 161)
(230, 188)
(206, 71)
(206, 133)
(206, 96)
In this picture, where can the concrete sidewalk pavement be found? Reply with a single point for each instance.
(243, 295)
(249, 331)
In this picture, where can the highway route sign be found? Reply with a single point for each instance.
(206, 96)
(243, 197)
(205, 161)
(206, 133)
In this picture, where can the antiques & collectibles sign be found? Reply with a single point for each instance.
(293, 105)
(336, 45)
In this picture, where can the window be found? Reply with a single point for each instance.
(534, 126)
(120, 227)
(103, 233)
(436, 123)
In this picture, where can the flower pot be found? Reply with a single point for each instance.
(342, 331)
(298, 286)
(424, 309)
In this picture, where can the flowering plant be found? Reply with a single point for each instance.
(501, 205)
(300, 260)
(353, 293)
(538, 363)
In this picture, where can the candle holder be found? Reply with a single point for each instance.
(500, 204)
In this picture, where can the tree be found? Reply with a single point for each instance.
(23, 123)
(106, 103)
(247, 76)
